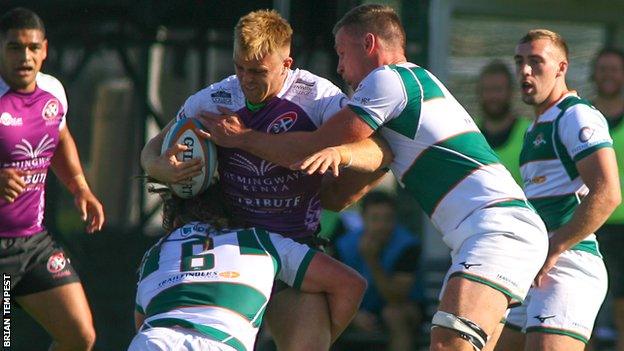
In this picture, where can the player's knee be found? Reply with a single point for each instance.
(465, 328)
(81, 339)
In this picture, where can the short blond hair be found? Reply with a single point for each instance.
(555, 38)
(260, 33)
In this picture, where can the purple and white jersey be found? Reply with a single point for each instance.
(262, 193)
(29, 133)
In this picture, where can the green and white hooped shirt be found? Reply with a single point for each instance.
(440, 156)
(217, 283)
(564, 134)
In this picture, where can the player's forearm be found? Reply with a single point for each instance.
(590, 215)
(66, 164)
(283, 149)
(339, 193)
(366, 155)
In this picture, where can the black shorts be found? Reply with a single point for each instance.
(35, 263)
(315, 243)
(611, 239)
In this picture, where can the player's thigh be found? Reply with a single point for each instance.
(63, 311)
(299, 321)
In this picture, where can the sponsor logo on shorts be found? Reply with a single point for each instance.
(542, 319)
(585, 134)
(282, 123)
(56, 263)
(50, 110)
(468, 265)
(505, 279)
(9, 121)
(538, 180)
(229, 274)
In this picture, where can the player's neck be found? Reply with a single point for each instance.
(555, 95)
(610, 106)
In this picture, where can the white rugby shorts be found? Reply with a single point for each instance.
(502, 247)
(568, 300)
(175, 339)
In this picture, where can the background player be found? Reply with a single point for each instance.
(440, 157)
(270, 97)
(206, 287)
(570, 176)
(34, 137)
(608, 75)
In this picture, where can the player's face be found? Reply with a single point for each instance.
(22, 54)
(609, 75)
(538, 65)
(352, 58)
(379, 220)
(262, 79)
(495, 95)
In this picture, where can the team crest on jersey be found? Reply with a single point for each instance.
(585, 134)
(51, 110)
(539, 140)
(56, 263)
(221, 97)
(283, 123)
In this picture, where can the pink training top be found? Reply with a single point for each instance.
(29, 133)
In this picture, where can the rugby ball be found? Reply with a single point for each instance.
(183, 132)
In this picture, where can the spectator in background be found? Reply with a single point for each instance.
(387, 256)
(608, 75)
(502, 128)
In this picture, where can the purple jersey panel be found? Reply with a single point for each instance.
(29, 133)
(267, 195)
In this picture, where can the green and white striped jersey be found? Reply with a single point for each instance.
(440, 156)
(218, 283)
(561, 136)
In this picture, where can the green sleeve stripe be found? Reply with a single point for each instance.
(247, 243)
(215, 333)
(581, 155)
(303, 268)
(365, 116)
(548, 330)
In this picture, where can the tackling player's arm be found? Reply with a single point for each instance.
(289, 148)
(66, 165)
(343, 286)
(166, 167)
(600, 174)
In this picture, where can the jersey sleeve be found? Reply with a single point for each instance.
(224, 93)
(295, 259)
(330, 100)
(380, 97)
(583, 130)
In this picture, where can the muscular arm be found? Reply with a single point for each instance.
(599, 172)
(343, 286)
(66, 165)
(286, 149)
(138, 320)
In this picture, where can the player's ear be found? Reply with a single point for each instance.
(288, 62)
(45, 48)
(370, 41)
(563, 68)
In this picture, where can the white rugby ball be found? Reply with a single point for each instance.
(183, 132)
